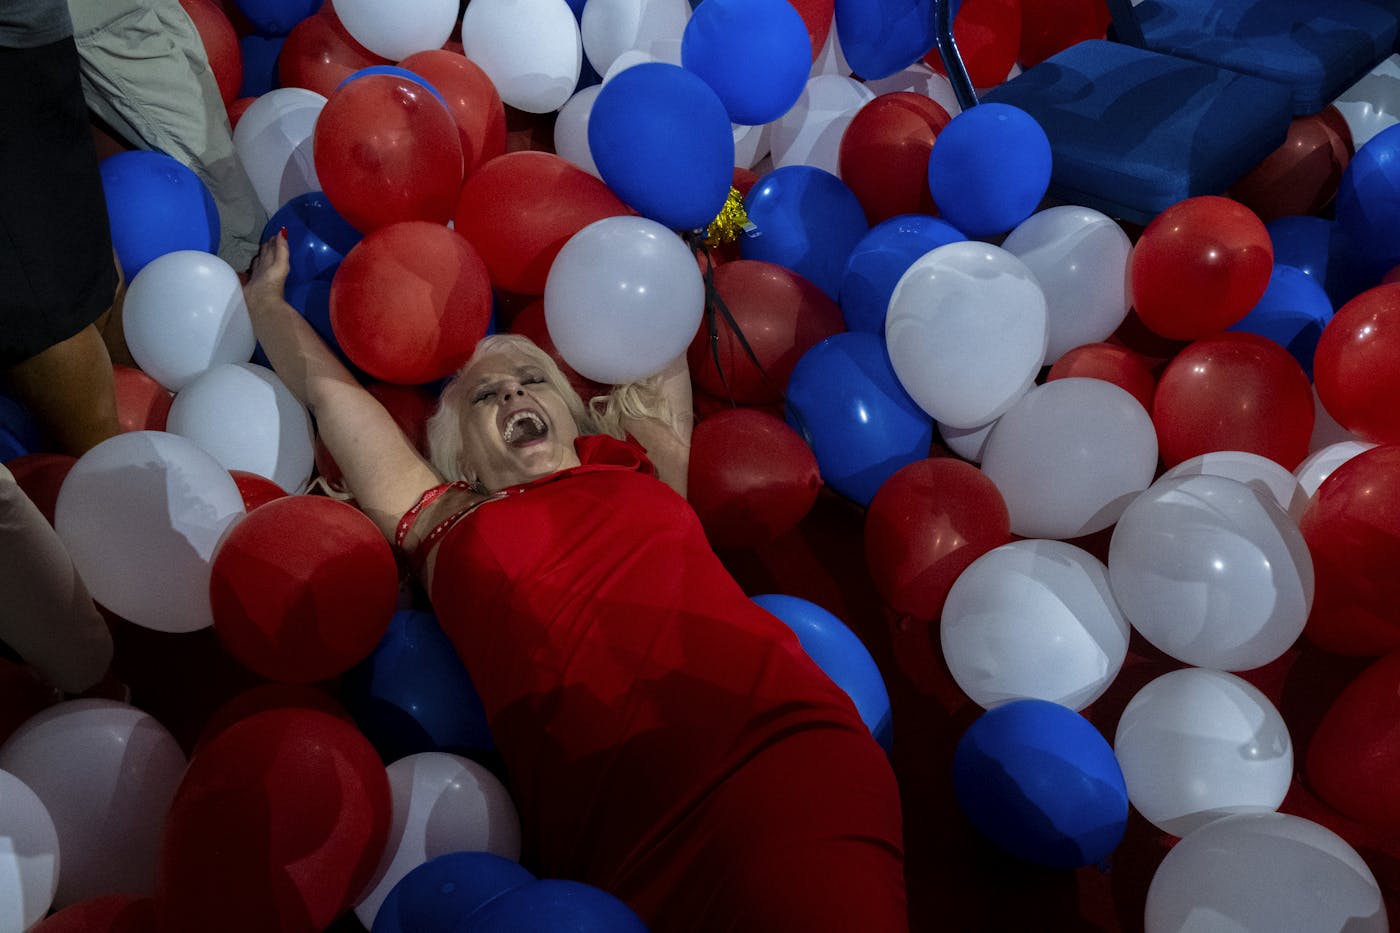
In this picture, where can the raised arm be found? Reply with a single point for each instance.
(382, 468)
(658, 412)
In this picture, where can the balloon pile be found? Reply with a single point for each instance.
(1117, 506)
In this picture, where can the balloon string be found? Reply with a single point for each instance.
(715, 307)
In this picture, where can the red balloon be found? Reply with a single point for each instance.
(256, 490)
(1111, 363)
(1352, 527)
(1200, 266)
(142, 403)
(237, 108)
(884, 154)
(41, 476)
(1301, 176)
(530, 323)
(471, 97)
(110, 913)
(318, 54)
(751, 479)
(926, 523)
(220, 41)
(1234, 391)
(263, 697)
(519, 209)
(278, 824)
(409, 302)
(781, 314)
(1354, 756)
(303, 588)
(817, 16)
(1050, 26)
(1357, 365)
(988, 36)
(387, 151)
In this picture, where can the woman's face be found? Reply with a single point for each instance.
(515, 425)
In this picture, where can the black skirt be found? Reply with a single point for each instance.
(57, 272)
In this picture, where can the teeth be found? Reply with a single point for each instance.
(522, 421)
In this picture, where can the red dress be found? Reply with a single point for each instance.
(665, 738)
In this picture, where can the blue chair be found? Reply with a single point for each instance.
(1134, 131)
(1317, 48)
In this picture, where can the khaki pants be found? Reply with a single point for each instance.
(46, 614)
(145, 73)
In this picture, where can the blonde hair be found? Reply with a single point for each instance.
(604, 414)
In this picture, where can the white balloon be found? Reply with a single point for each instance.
(623, 298)
(1196, 745)
(966, 332)
(1262, 873)
(751, 144)
(831, 60)
(530, 49)
(1326, 431)
(810, 132)
(245, 416)
(1319, 464)
(397, 30)
(185, 313)
(442, 803)
(1261, 474)
(1069, 456)
(141, 514)
(612, 27)
(1372, 104)
(1033, 620)
(1211, 573)
(968, 443)
(29, 857)
(274, 142)
(106, 772)
(1080, 258)
(571, 129)
(919, 78)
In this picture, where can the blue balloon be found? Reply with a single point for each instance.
(277, 17)
(1302, 242)
(804, 219)
(156, 205)
(259, 64)
(19, 432)
(756, 54)
(1292, 313)
(396, 71)
(841, 655)
(881, 37)
(990, 169)
(1368, 198)
(412, 693)
(845, 400)
(1041, 782)
(436, 896)
(663, 143)
(880, 258)
(318, 238)
(553, 906)
(1350, 270)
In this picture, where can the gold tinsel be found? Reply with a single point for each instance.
(731, 222)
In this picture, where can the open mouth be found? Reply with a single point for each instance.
(524, 427)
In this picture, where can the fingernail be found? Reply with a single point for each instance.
(282, 233)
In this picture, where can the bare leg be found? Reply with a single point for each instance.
(110, 323)
(69, 390)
